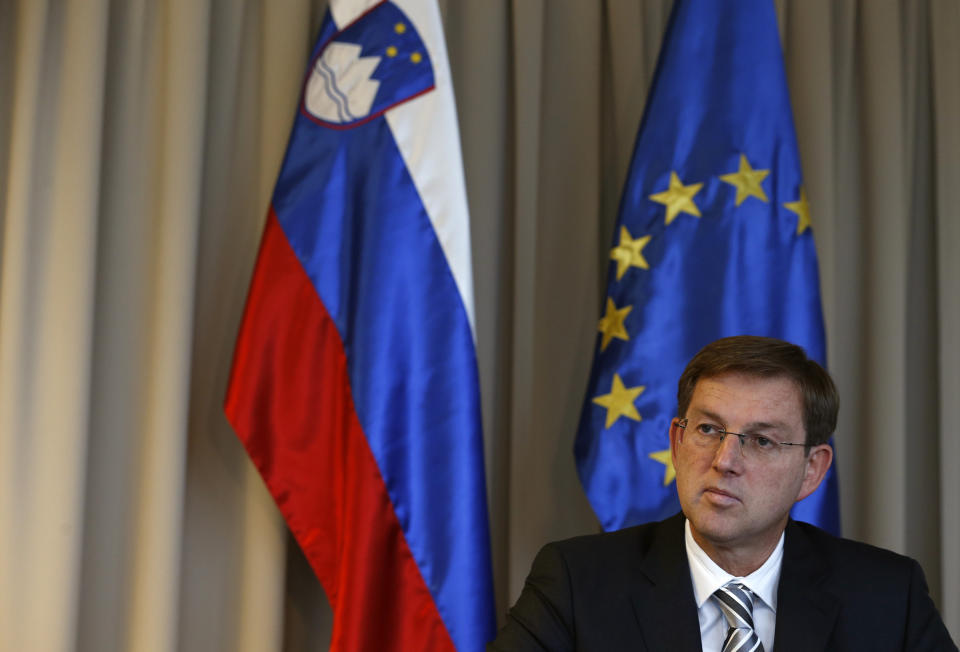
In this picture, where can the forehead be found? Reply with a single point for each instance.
(748, 399)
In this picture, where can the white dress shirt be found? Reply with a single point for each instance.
(708, 577)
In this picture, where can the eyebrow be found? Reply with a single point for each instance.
(755, 425)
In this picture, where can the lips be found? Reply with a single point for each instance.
(720, 497)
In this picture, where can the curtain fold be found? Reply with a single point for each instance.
(945, 82)
(46, 289)
(139, 144)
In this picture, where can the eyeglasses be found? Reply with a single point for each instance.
(709, 437)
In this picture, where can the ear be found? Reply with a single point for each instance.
(676, 436)
(816, 465)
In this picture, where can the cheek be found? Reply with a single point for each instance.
(681, 463)
(690, 468)
(780, 486)
(695, 462)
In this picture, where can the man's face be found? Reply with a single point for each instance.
(733, 502)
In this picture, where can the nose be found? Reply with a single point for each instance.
(729, 455)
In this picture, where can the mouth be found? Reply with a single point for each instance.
(720, 497)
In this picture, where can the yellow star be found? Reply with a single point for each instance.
(629, 253)
(611, 324)
(619, 402)
(678, 198)
(747, 181)
(664, 458)
(802, 209)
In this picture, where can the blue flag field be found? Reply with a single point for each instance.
(713, 239)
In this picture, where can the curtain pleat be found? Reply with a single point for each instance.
(945, 78)
(46, 289)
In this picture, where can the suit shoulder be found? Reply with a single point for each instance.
(580, 592)
(867, 581)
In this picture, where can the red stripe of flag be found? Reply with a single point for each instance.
(289, 401)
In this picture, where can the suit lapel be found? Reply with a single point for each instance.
(806, 614)
(663, 598)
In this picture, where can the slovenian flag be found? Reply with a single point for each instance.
(354, 385)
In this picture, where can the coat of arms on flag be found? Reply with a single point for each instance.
(375, 63)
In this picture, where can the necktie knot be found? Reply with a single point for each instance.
(736, 602)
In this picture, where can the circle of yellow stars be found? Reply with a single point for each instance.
(392, 51)
(678, 198)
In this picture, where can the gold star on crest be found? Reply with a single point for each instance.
(611, 324)
(802, 209)
(619, 402)
(747, 181)
(678, 198)
(629, 253)
(666, 459)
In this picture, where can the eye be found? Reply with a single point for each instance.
(708, 429)
(763, 442)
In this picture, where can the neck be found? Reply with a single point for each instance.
(737, 559)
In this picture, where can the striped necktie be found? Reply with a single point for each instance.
(736, 602)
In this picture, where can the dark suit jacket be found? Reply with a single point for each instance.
(631, 590)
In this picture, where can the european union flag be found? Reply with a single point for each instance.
(713, 239)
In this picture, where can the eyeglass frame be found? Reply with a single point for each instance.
(723, 432)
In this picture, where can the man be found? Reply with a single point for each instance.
(732, 571)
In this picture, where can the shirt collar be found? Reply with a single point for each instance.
(708, 577)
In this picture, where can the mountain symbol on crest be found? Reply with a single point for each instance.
(340, 88)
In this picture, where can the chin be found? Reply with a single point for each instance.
(716, 528)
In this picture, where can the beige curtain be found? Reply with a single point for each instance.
(139, 141)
